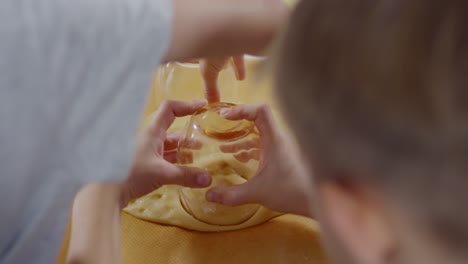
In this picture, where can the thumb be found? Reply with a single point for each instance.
(185, 176)
(233, 195)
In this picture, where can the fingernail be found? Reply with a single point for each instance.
(203, 179)
(213, 196)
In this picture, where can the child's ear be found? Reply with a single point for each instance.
(358, 221)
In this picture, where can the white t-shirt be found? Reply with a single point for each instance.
(73, 79)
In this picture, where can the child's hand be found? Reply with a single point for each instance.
(152, 167)
(210, 69)
(282, 182)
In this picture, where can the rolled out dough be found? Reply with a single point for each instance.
(190, 210)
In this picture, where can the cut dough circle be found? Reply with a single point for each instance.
(188, 208)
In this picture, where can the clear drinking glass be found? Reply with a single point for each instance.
(227, 150)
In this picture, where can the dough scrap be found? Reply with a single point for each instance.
(190, 210)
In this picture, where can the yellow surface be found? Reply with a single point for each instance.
(286, 240)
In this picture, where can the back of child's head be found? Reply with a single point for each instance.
(377, 93)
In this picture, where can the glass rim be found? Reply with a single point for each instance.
(242, 129)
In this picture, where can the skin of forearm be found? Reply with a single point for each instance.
(95, 234)
(210, 28)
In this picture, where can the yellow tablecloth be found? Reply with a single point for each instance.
(287, 239)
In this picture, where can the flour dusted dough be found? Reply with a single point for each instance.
(167, 206)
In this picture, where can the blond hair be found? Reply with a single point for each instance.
(377, 92)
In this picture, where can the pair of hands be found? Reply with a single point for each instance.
(280, 184)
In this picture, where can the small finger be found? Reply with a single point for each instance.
(212, 93)
(210, 69)
(185, 176)
(244, 145)
(172, 140)
(185, 157)
(178, 157)
(246, 156)
(250, 112)
(260, 114)
(190, 143)
(232, 195)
